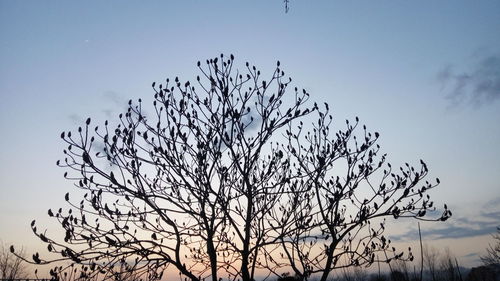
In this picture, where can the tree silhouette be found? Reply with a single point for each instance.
(11, 266)
(492, 255)
(337, 208)
(222, 178)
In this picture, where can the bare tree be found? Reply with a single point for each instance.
(492, 255)
(340, 197)
(223, 179)
(11, 266)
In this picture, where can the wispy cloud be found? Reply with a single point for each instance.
(455, 231)
(471, 255)
(462, 224)
(75, 119)
(112, 103)
(493, 203)
(492, 215)
(114, 97)
(476, 85)
(116, 102)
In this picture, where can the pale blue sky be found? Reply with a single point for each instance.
(379, 60)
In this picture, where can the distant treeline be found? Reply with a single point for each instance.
(443, 271)
(24, 279)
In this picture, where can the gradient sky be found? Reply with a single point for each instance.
(425, 74)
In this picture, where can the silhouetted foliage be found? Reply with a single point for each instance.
(489, 272)
(289, 278)
(407, 270)
(228, 177)
(448, 270)
(492, 255)
(431, 261)
(398, 276)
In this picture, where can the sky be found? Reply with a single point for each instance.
(424, 74)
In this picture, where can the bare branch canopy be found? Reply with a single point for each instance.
(232, 176)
